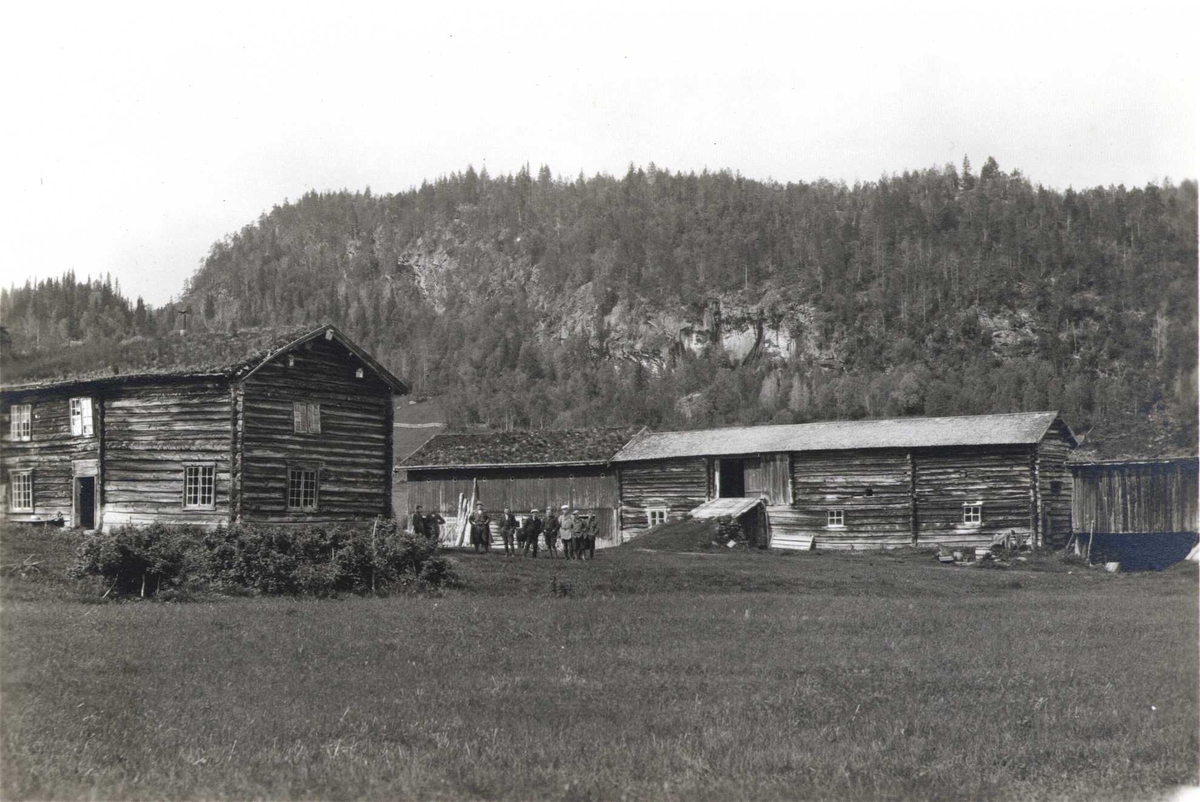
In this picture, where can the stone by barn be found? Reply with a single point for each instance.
(864, 484)
(205, 429)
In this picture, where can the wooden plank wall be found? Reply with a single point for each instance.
(824, 480)
(1054, 524)
(1136, 498)
(946, 478)
(680, 485)
(589, 488)
(149, 433)
(522, 489)
(353, 448)
(48, 453)
(769, 476)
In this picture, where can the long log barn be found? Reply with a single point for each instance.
(521, 470)
(254, 427)
(866, 484)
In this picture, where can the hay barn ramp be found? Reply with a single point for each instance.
(522, 470)
(205, 429)
(864, 484)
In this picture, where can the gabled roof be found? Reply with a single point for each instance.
(215, 355)
(1011, 429)
(519, 448)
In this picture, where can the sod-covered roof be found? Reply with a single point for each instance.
(965, 430)
(507, 449)
(194, 355)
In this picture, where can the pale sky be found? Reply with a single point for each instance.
(134, 136)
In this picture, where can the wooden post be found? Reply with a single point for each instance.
(1091, 535)
(912, 499)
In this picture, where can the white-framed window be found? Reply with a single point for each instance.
(81, 417)
(656, 516)
(306, 417)
(302, 488)
(21, 491)
(835, 519)
(22, 421)
(973, 513)
(199, 486)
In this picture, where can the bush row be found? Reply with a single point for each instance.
(317, 560)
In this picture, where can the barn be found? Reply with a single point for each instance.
(208, 429)
(866, 484)
(521, 470)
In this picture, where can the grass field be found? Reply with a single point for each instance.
(659, 676)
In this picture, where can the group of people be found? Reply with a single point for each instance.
(575, 530)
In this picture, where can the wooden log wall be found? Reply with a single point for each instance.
(1136, 498)
(1055, 487)
(997, 476)
(49, 453)
(680, 485)
(352, 450)
(150, 432)
(873, 487)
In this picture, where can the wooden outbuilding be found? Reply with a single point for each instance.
(961, 481)
(255, 427)
(521, 470)
(1136, 496)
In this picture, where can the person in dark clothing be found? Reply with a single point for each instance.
(481, 535)
(591, 531)
(433, 526)
(418, 523)
(508, 529)
(531, 530)
(550, 532)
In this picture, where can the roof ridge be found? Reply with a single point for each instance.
(1054, 412)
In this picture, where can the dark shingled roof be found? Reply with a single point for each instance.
(964, 430)
(194, 355)
(484, 449)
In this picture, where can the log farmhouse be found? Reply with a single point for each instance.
(522, 470)
(254, 427)
(866, 484)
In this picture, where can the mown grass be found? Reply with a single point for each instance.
(661, 676)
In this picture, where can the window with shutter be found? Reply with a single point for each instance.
(21, 421)
(81, 417)
(306, 417)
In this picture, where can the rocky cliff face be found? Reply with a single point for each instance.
(748, 328)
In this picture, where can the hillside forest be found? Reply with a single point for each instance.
(683, 300)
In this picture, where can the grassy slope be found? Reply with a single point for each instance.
(665, 676)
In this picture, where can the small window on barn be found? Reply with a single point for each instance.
(1055, 488)
(835, 519)
(199, 486)
(973, 514)
(656, 516)
(21, 484)
(358, 374)
(306, 417)
(302, 488)
(81, 417)
(22, 421)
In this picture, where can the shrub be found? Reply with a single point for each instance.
(141, 560)
(318, 560)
